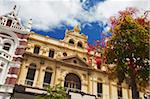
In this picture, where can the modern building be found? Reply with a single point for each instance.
(13, 40)
(48, 61)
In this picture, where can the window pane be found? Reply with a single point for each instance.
(6, 46)
(51, 53)
(99, 89)
(72, 81)
(119, 92)
(71, 41)
(30, 74)
(47, 78)
(36, 49)
(64, 54)
(79, 44)
(8, 22)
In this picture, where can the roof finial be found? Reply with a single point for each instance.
(14, 8)
(18, 11)
(29, 25)
(77, 28)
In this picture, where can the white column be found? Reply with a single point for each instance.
(1, 97)
(4, 72)
(35, 78)
(105, 91)
(40, 78)
(141, 95)
(114, 92)
(130, 94)
(94, 85)
(23, 73)
(84, 86)
(90, 84)
(125, 93)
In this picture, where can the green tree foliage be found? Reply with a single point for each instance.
(128, 48)
(55, 92)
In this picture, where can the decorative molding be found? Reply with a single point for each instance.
(12, 75)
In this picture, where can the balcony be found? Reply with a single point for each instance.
(3, 23)
(28, 82)
(45, 85)
(5, 55)
(72, 89)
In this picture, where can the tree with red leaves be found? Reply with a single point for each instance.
(128, 48)
(96, 49)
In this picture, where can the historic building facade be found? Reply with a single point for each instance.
(13, 40)
(28, 66)
(50, 61)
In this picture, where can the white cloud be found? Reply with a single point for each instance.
(47, 14)
(111, 7)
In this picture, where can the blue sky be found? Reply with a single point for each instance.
(52, 17)
(93, 31)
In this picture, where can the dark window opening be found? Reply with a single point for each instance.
(80, 44)
(9, 22)
(72, 81)
(7, 46)
(119, 90)
(51, 53)
(71, 41)
(36, 49)
(74, 61)
(98, 67)
(65, 54)
(30, 74)
(47, 77)
(99, 89)
(2, 64)
(84, 58)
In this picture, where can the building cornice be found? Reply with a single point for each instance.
(13, 29)
(66, 64)
(60, 43)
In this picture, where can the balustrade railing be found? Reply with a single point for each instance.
(29, 82)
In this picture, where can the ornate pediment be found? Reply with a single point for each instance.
(75, 59)
(11, 20)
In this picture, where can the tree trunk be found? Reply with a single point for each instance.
(135, 93)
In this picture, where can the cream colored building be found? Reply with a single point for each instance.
(50, 61)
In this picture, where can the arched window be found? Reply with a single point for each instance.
(80, 44)
(51, 53)
(47, 77)
(71, 41)
(6, 46)
(72, 81)
(36, 50)
(30, 74)
(99, 89)
(9, 22)
(64, 54)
